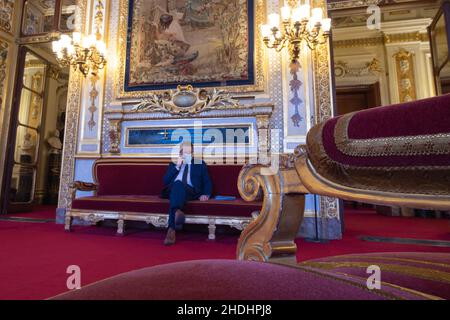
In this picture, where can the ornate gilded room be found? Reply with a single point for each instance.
(225, 150)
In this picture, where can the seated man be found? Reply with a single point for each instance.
(186, 180)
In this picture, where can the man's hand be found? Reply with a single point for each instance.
(204, 198)
(179, 162)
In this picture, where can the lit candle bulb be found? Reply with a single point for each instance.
(317, 14)
(76, 36)
(297, 15)
(285, 13)
(265, 30)
(305, 11)
(101, 47)
(274, 20)
(56, 46)
(326, 25)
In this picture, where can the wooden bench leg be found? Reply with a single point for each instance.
(120, 227)
(212, 230)
(68, 222)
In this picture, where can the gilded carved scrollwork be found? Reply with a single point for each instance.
(187, 101)
(270, 236)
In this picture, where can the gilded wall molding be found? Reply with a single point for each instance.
(93, 94)
(324, 105)
(3, 68)
(357, 43)
(404, 62)
(6, 15)
(98, 20)
(72, 122)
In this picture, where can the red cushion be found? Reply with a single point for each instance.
(231, 280)
(425, 272)
(130, 177)
(154, 204)
(401, 148)
(412, 119)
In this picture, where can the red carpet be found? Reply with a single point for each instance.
(46, 212)
(34, 256)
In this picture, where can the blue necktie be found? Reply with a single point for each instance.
(185, 174)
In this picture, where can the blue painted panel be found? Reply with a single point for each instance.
(83, 172)
(168, 136)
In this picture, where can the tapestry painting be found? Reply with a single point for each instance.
(205, 43)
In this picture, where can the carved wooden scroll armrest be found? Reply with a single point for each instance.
(81, 186)
(270, 237)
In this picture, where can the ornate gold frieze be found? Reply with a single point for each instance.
(381, 40)
(355, 43)
(342, 69)
(351, 4)
(406, 37)
(187, 101)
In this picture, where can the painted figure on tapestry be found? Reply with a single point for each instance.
(193, 41)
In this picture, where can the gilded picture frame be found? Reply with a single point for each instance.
(254, 83)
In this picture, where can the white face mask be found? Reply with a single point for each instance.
(187, 158)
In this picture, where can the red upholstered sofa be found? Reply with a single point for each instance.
(129, 189)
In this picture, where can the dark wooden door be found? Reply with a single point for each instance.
(356, 98)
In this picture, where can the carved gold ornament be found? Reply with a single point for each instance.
(187, 101)
(342, 69)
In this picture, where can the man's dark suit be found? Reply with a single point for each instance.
(179, 193)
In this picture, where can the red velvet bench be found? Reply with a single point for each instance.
(129, 190)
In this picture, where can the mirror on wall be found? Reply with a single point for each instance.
(40, 17)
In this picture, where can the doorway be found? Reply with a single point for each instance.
(356, 98)
(33, 159)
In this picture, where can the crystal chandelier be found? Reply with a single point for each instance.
(299, 25)
(86, 54)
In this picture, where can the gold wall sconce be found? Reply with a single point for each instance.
(86, 54)
(299, 25)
